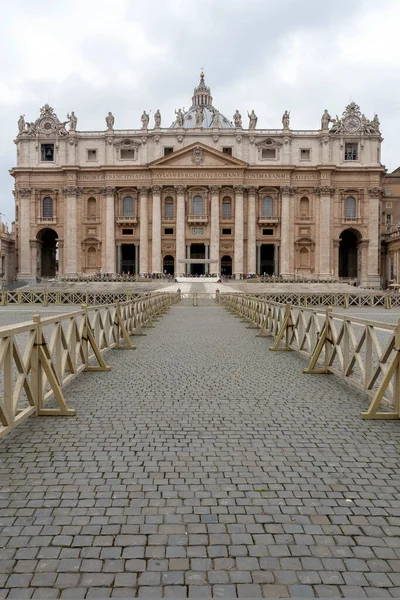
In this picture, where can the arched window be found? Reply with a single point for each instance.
(304, 258)
(198, 206)
(127, 206)
(47, 207)
(267, 206)
(169, 207)
(227, 207)
(91, 208)
(350, 208)
(91, 255)
(304, 207)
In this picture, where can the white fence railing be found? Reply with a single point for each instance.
(39, 358)
(364, 353)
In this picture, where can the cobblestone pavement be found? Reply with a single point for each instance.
(202, 465)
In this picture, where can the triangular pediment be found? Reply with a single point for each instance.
(198, 155)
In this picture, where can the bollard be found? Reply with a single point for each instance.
(195, 299)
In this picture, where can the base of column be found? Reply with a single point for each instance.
(371, 281)
(27, 278)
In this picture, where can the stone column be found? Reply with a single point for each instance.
(251, 231)
(136, 259)
(325, 231)
(238, 259)
(60, 246)
(286, 191)
(276, 259)
(258, 266)
(373, 277)
(70, 231)
(180, 229)
(214, 228)
(156, 231)
(25, 270)
(336, 244)
(207, 256)
(144, 230)
(109, 257)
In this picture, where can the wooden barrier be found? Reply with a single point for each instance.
(364, 353)
(39, 358)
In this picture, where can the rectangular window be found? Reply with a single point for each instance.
(168, 151)
(169, 231)
(268, 153)
(169, 209)
(389, 220)
(305, 154)
(47, 152)
(92, 154)
(268, 232)
(227, 209)
(227, 151)
(227, 232)
(127, 232)
(127, 153)
(351, 151)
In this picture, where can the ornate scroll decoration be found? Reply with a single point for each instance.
(143, 189)
(181, 189)
(156, 189)
(215, 189)
(324, 190)
(251, 190)
(239, 189)
(197, 156)
(71, 190)
(352, 121)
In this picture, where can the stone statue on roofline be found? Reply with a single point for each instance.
(252, 119)
(145, 120)
(325, 120)
(73, 121)
(21, 124)
(157, 119)
(179, 117)
(199, 116)
(237, 119)
(286, 120)
(110, 120)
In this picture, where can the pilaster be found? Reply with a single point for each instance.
(156, 231)
(373, 276)
(109, 264)
(144, 230)
(325, 231)
(214, 229)
(251, 231)
(70, 231)
(238, 258)
(180, 229)
(286, 238)
(25, 270)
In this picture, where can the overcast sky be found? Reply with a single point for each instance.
(92, 56)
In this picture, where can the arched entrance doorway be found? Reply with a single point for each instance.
(348, 253)
(169, 265)
(47, 258)
(226, 266)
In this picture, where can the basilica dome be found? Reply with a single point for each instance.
(202, 113)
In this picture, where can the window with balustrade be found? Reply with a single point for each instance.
(267, 207)
(304, 208)
(127, 207)
(47, 208)
(226, 207)
(198, 206)
(350, 208)
(169, 207)
(92, 208)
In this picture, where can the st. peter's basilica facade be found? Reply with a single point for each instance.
(204, 195)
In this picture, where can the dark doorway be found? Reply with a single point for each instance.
(197, 251)
(128, 259)
(348, 254)
(169, 265)
(48, 252)
(226, 266)
(267, 265)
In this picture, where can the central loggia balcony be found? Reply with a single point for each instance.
(267, 220)
(197, 219)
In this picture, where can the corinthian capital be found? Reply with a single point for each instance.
(156, 189)
(375, 192)
(215, 189)
(24, 192)
(251, 190)
(287, 190)
(181, 189)
(108, 191)
(239, 189)
(143, 189)
(324, 190)
(71, 190)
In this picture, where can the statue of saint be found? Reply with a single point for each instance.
(199, 116)
(237, 119)
(376, 124)
(110, 120)
(73, 121)
(145, 120)
(286, 119)
(325, 120)
(252, 119)
(215, 119)
(21, 124)
(157, 119)
(179, 117)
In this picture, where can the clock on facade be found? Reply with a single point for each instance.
(352, 123)
(47, 125)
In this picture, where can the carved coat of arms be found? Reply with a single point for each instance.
(197, 156)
